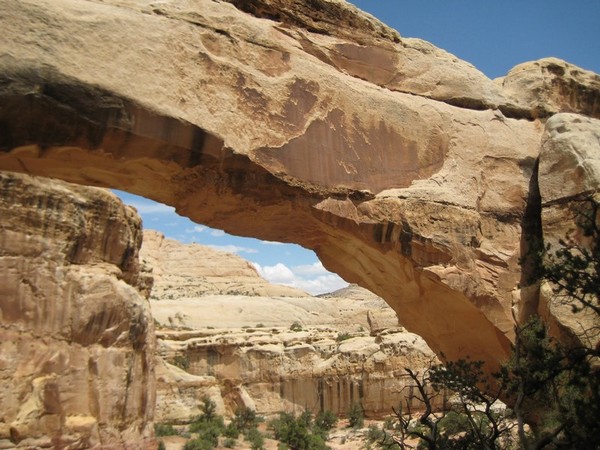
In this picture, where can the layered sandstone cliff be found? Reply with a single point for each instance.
(76, 335)
(406, 169)
(225, 332)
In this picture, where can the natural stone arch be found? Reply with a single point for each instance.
(181, 165)
(406, 178)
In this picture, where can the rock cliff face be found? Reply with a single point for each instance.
(245, 342)
(191, 271)
(76, 335)
(276, 369)
(406, 170)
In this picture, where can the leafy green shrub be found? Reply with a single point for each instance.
(245, 418)
(374, 433)
(296, 326)
(377, 436)
(164, 429)
(229, 442)
(325, 420)
(255, 438)
(298, 433)
(231, 431)
(200, 444)
(343, 337)
(389, 424)
(214, 427)
(209, 425)
(209, 409)
(356, 416)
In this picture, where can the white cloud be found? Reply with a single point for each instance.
(150, 207)
(311, 269)
(217, 233)
(271, 243)
(279, 274)
(313, 278)
(233, 249)
(196, 229)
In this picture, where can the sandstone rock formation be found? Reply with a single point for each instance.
(245, 342)
(405, 169)
(191, 271)
(76, 336)
(276, 369)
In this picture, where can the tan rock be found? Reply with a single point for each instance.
(272, 353)
(77, 338)
(569, 174)
(192, 270)
(273, 370)
(570, 157)
(551, 86)
(412, 180)
(180, 394)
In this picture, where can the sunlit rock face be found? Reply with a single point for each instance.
(77, 338)
(406, 169)
(247, 343)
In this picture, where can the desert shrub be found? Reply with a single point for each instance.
(343, 337)
(356, 417)
(325, 420)
(161, 445)
(209, 426)
(255, 438)
(299, 433)
(245, 418)
(200, 444)
(229, 442)
(164, 429)
(231, 431)
(296, 326)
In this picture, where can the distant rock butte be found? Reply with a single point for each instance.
(193, 270)
(406, 169)
(231, 330)
(76, 337)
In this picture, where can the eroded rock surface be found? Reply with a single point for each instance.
(245, 342)
(276, 369)
(76, 335)
(406, 170)
(190, 271)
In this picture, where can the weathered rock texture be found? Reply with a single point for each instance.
(406, 170)
(276, 369)
(231, 331)
(193, 270)
(76, 336)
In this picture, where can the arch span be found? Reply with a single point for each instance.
(384, 156)
(86, 135)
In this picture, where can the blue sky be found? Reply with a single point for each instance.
(492, 35)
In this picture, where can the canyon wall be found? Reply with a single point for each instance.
(406, 169)
(76, 334)
(274, 369)
(225, 332)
